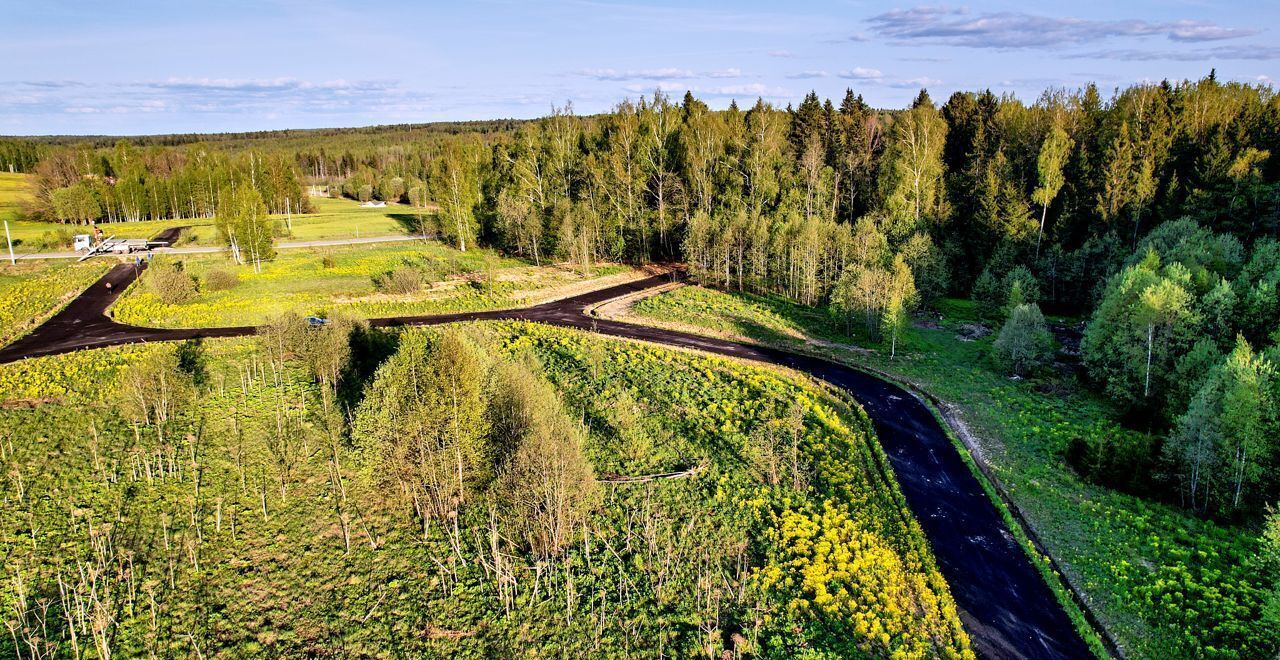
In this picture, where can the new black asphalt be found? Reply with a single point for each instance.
(1005, 605)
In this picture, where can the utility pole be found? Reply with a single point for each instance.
(9, 240)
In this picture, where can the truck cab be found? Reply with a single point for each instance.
(83, 242)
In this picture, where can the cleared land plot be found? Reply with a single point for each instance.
(420, 277)
(254, 527)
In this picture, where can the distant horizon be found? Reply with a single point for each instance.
(154, 68)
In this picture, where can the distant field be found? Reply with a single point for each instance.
(320, 280)
(333, 219)
(13, 190)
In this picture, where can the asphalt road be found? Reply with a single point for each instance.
(1005, 605)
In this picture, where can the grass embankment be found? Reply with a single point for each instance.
(223, 536)
(1161, 581)
(342, 278)
(332, 219)
(31, 292)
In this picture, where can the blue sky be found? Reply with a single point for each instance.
(143, 66)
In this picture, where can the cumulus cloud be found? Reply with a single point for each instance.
(807, 75)
(958, 27)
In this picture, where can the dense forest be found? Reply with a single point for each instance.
(1155, 212)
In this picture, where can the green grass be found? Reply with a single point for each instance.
(299, 281)
(190, 547)
(13, 192)
(1161, 580)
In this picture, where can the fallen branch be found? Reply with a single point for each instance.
(644, 478)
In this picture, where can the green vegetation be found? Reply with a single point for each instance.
(1153, 213)
(614, 499)
(345, 279)
(13, 193)
(1162, 580)
(30, 292)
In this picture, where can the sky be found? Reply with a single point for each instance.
(147, 66)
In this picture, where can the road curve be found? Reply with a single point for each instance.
(1005, 605)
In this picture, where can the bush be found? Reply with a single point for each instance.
(57, 239)
(327, 261)
(170, 283)
(1024, 344)
(220, 280)
(404, 279)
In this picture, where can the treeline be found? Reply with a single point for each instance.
(127, 183)
(287, 139)
(19, 155)
(769, 200)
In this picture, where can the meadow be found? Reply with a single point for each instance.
(321, 281)
(1161, 580)
(222, 526)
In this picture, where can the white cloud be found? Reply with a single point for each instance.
(666, 73)
(861, 73)
(958, 27)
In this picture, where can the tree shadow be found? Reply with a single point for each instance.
(412, 223)
(370, 347)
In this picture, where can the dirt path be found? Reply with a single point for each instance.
(1005, 605)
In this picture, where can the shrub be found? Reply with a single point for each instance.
(1024, 343)
(327, 261)
(54, 240)
(221, 280)
(170, 283)
(403, 279)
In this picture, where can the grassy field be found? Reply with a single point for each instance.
(221, 536)
(31, 291)
(332, 219)
(300, 281)
(1165, 583)
(13, 191)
